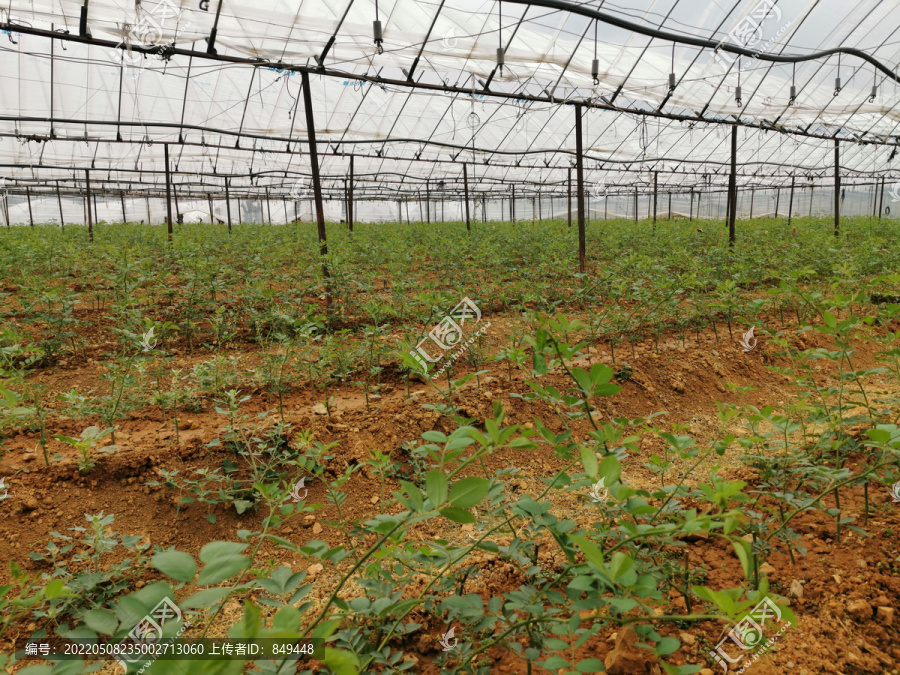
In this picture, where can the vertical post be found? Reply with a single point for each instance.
(732, 187)
(579, 171)
(30, 213)
(87, 184)
(791, 202)
(124, 215)
(240, 214)
(268, 205)
(811, 191)
(837, 188)
(399, 211)
(777, 200)
(606, 206)
(428, 201)
(752, 195)
(540, 209)
(317, 186)
(570, 196)
(168, 192)
(512, 204)
(350, 213)
(669, 217)
(466, 194)
(635, 203)
(654, 197)
(691, 210)
(880, 202)
(228, 205)
(59, 199)
(212, 217)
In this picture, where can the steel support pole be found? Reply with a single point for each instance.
(466, 194)
(669, 217)
(268, 206)
(752, 196)
(512, 204)
(881, 201)
(579, 171)
(317, 186)
(837, 188)
(228, 205)
(791, 201)
(635, 203)
(428, 201)
(124, 215)
(350, 214)
(812, 189)
(732, 187)
(655, 176)
(30, 213)
(62, 222)
(777, 200)
(168, 192)
(212, 217)
(691, 209)
(87, 184)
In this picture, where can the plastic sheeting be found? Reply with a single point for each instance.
(67, 106)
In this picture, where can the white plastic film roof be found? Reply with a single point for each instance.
(78, 102)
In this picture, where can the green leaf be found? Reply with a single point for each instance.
(744, 554)
(830, 320)
(555, 663)
(667, 645)
(101, 621)
(589, 461)
(458, 515)
(590, 550)
(341, 662)
(223, 561)
(436, 487)
(610, 470)
(176, 565)
(467, 492)
(590, 666)
(204, 599)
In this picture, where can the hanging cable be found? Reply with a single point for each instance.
(595, 64)
(837, 80)
(737, 90)
(377, 32)
(793, 99)
(500, 52)
(672, 72)
(874, 87)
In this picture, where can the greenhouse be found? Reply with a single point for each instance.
(380, 336)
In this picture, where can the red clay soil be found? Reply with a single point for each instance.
(850, 589)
